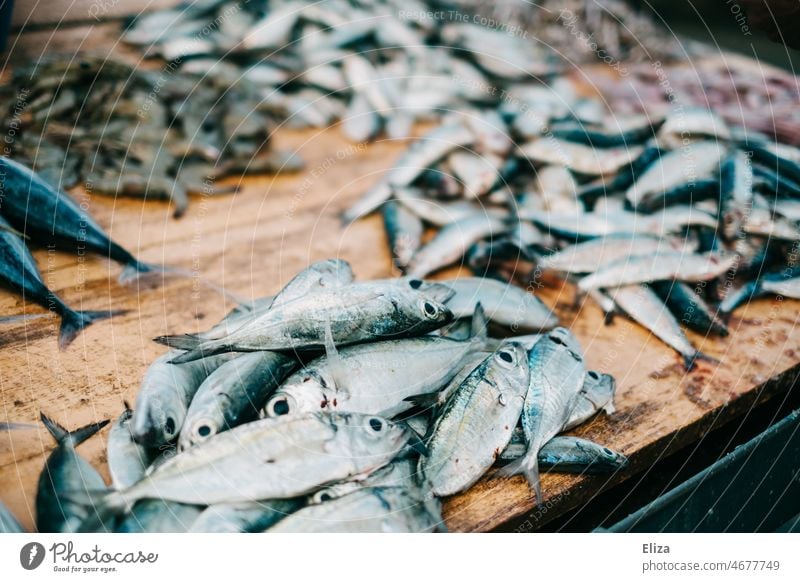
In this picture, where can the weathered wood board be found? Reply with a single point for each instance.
(253, 242)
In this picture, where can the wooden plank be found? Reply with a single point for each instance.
(58, 13)
(256, 241)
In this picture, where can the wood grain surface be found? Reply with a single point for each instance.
(255, 241)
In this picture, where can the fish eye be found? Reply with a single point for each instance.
(169, 425)
(505, 356)
(557, 340)
(415, 283)
(609, 452)
(376, 424)
(430, 309)
(280, 406)
(204, 430)
(593, 375)
(324, 497)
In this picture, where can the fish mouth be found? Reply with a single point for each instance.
(280, 405)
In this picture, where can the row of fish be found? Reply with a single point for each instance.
(646, 215)
(338, 405)
(121, 131)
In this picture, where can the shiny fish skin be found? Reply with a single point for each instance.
(127, 460)
(579, 158)
(398, 473)
(503, 304)
(65, 472)
(159, 516)
(243, 517)
(164, 397)
(221, 469)
(689, 308)
(233, 394)
(476, 422)
(404, 230)
(363, 311)
(373, 510)
(327, 274)
(596, 394)
(557, 375)
(566, 454)
(588, 257)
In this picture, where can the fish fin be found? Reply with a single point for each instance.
(415, 442)
(186, 341)
(77, 436)
(479, 329)
(73, 322)
(527, 465)
(425, 400)
(334, 359)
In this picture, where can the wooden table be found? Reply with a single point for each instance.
(254, 242)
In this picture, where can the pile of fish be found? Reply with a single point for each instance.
(337, 405)
(122, 131)
(378, 66)
(654, 217)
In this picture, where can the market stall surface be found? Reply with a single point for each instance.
(253, 242)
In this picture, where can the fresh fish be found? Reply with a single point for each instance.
(164, 397)
(642, 305)
(65, 471)
(296, 454)
(689, 308)
(596, 394)
(398, 473)
(476, 174)
(127, 460)
(675, 169)
(233, 394)
(365, 311)
(476, 423)
(437, 212)
(361, 123)
(9, 523)
(557, 375)
(452, 242)
(374, 378)
(404, 230)
(589, 256)
(504, 304)
(786, 287)
(566, 454)
(737, 194)
(428, 150)
(692, 122)
(159, 516)
(244, 517)
(579, 158)
(372, 510)
(18, 270)
(661, 266)
(49, 216)
(556, 190)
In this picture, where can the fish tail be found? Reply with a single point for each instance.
(690, 361)
(426, 400)
(195, 347)
(527, 465)
(480, 325)
(77, 436)
(73, 322)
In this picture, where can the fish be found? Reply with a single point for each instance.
(159, 516)
(65, 471)
(370, 510)
(596, 394)
(589, 256)
(503, 304)
(402, 472)
(233, 394)
(686, 165)
(404, 230)
(49, 216)
(9, 523)
(661, 266)
(452, 242)
(164, 397)
(690, 309)
(557, 375)
(244, 517)
(642, 305)
(567, 454)
(736, 195)
(476, 422)
(579, 158)
(18, 270)
(373, 378)
(221, 469)
(363, 312)
(127, 460)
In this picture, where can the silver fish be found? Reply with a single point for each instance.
(159, 516)
(372, 510)
(737, 194)
(661, 266)
(589, 256)
(557, 375)
(65, 472)
(243, 517)
(374, 378)
(364, 311)
(568, 454)
(164, 397)
(597, 394)
(398, 473)
(476, 422)
(578, 157)
(233, 394)
(404, 230)
(503, 304)
(127, 459)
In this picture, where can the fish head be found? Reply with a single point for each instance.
(563, 337)
(158, 420)
(306, 391)
(373, 440)
(430, 313)
(436, 291)
(511, 362)
(606, 456)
